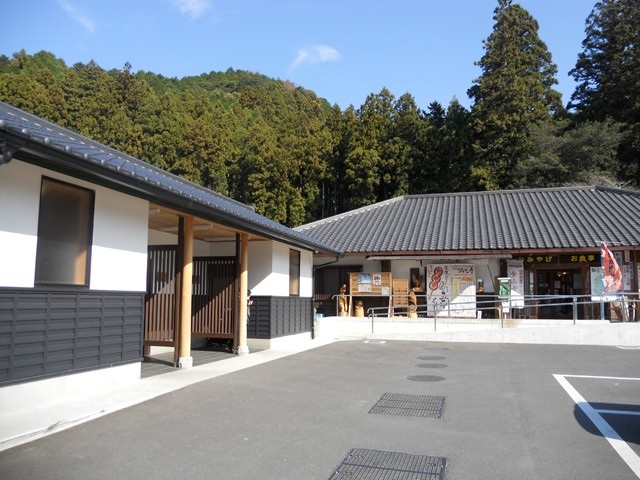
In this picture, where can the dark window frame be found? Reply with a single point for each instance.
(294, 272)
(51, 207)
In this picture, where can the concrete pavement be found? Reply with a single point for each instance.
(25, 425)
(504, 415)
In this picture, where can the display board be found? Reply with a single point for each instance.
(400, 292)
(451, 290)
(370, 283)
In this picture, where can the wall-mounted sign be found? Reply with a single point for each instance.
(451, 290)
(515, 271)
(540, 259)
(370, 283)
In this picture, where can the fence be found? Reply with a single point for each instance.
(475, 308)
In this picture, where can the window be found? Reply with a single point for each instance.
(64, 234)
(294, 273)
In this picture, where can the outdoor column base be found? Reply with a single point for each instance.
(242, 350)
(185, 362)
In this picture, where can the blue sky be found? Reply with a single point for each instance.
(343, 50)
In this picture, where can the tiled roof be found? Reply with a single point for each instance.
(58, 148)
(546, 219)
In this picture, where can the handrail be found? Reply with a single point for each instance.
(627, 306)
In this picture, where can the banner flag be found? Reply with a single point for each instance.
(612, 271)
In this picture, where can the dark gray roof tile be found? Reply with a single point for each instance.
(554, 218)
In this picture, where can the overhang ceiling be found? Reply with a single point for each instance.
(166, 220)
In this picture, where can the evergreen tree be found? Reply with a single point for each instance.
(405, 144)
(368, 168)
(608, 76)
(343, 126)
(565, 154)
(514, 92)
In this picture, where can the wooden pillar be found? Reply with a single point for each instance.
(185, 360)
(243, 349)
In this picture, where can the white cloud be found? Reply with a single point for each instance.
(315, 54)
(193, 8)
(82, 19)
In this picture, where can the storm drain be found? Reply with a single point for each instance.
(431, 365)
(425, 378)
(363, 464)
(405, 405)
(432, 357)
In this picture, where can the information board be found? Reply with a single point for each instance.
(370, 283)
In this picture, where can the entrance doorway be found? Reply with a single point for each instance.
(555, 283)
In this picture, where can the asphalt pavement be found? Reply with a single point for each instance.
(371, 409)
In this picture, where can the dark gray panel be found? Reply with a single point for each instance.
(49, 332)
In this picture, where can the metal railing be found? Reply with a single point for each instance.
(475, 308)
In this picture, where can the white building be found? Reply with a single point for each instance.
(103, 257)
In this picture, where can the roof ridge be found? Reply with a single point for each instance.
(509, 192)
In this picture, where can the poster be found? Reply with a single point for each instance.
(364, 282)
(515, 271)
(451, 290)
(627, 276)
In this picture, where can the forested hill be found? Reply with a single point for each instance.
(295, 158)
(262, 141)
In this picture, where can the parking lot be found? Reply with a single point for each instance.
(372, 409)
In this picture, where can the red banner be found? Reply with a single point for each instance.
(612, 271)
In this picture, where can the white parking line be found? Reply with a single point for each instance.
(620, 446)
(618, 412)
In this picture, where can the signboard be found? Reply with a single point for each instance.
(400, 292)
(504, 288)
(536, 259)
(515, 271)
(370, 283)
(451, 290)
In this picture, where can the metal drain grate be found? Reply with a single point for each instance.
(431, 365)
(404, 405)
(363, 464)
(425, 378)
(432, 357)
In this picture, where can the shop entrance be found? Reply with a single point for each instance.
(555, 282)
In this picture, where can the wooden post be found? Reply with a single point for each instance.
(185, 359)
(243, 349)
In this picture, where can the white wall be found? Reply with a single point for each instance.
(119, 252)
(20, 200)
(306, 273)
(269, 269)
